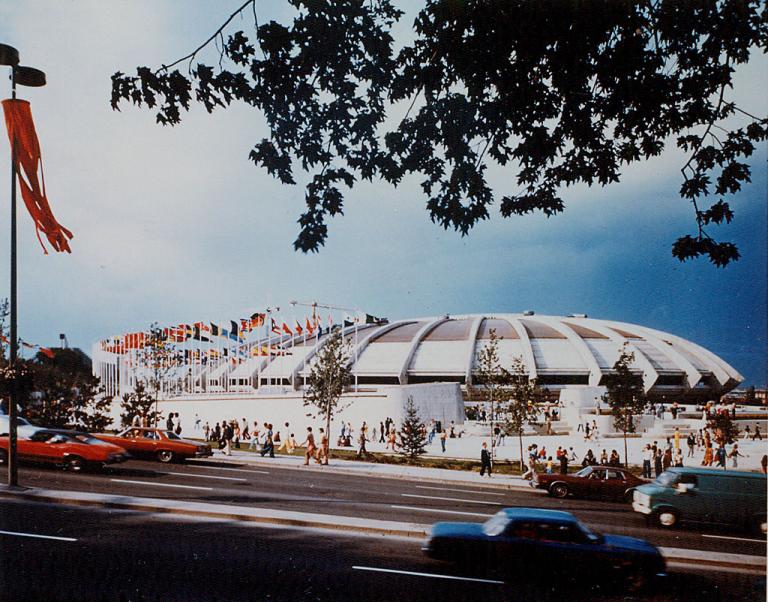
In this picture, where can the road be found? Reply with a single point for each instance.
(140, 556)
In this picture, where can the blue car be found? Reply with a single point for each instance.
(534, 542)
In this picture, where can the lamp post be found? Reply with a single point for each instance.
(23, 76)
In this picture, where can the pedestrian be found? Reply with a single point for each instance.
(586, 431)
(197, 422)
(757, 434)
(678, 459)
(361, 451)
(764, 463)
(443, 437)
(254, 436)
(309, 443)
(236, 430)
(177, 430)
(657, 463)
(604, 458)
(595, 435)
(677, 438)
(227, 434)
(720, 455)
(549, 466)
(666, 460)
(285, 439)
(322, 451)
(747, 433)
(169, 422)
(485, 460)
(269, 441)
(382, 433)
(531, 467)
(564, 463)
(244, 432)
(708, 455)
(691, 441)
(207, 431)
(647, 459)
(734, 455)
(392, 439)
(136, 420)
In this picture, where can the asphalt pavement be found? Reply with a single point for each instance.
(200, 534)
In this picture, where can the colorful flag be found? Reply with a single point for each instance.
(297, 328)
(275, 328)
(215, 331)
(286, 329)
(257, 320)
(310, 327)
(46, 352)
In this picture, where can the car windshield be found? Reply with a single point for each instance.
(584, 472)
(89, 440)
(496, 524)
(667, 479)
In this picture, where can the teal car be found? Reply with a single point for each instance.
(726, 497)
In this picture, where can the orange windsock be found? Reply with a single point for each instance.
(21, 128)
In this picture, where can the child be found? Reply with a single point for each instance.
(549, 465)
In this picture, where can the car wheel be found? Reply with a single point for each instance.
(636, 580)
(667, 518)
(559, 490)
(165, 456)
(75, 464)
(3, 456)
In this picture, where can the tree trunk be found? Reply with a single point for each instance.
(626, 459)
(520, 439)
(328, 431)
(493, 438)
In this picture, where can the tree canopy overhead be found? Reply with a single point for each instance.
(557, 92)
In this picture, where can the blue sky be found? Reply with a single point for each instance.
(176, 225)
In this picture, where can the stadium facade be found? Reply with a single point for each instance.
(558, 351)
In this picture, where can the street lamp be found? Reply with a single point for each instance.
(31, 77)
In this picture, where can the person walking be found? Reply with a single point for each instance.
(485, 460)
(677, 438)
(757, 434)
(361, 440)
(227, 434)
(531, 467)
(691, 441)
(383, 434)
(564, 463)
(443, 437)
(309, 443)
(254, 444)
(322, 451)
(285, 439)
(720, 455)
(678, 458)
(708, 455)
(764, 463)
(734, 455)
(657, 463)
(269, 441)
(647, 459)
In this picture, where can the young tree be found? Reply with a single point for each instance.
(625, 395)
(158, 358)
(555, 95)
(492, 378)
(92, 406)
(521, 410)
(139, 403)
(723, 427)
(327, 379)
(413, 437)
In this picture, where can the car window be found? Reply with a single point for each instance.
(523, 530)
(41, 436)
(691, 479)
(151, 435)
(171, 435)
(597, 474)
(559, 533)
(496, 524)
(667, 479)
(584, 472)
(614, 474)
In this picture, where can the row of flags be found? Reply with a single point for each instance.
(236, 331)
(44, 350)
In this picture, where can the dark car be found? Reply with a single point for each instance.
(597, 482)
(158, 444)
(533, 543)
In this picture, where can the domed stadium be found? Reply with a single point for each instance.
(556, 350)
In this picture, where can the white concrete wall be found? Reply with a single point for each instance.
(438, 401)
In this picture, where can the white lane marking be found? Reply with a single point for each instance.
(431, 575)
(736, 538)
(450, 499)
(35, 535)
(161, 484)
(230, 469)
(459, 490)
(441, 511)
(202, 476)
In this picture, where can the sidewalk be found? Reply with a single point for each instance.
(371, 469)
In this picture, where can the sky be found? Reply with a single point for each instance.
(176, 225)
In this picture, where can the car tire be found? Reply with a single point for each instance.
(3, 457)
(667, 518)
(75, 464)
(558, 490)
(166, 456)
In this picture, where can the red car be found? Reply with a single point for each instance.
(159, 444)
(605, 482)
(71, 449)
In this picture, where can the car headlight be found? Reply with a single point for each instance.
(641, 498)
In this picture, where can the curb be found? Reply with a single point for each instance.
(688, 558)
(363, 471)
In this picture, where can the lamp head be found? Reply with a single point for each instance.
(28, 76)
(8, 55)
